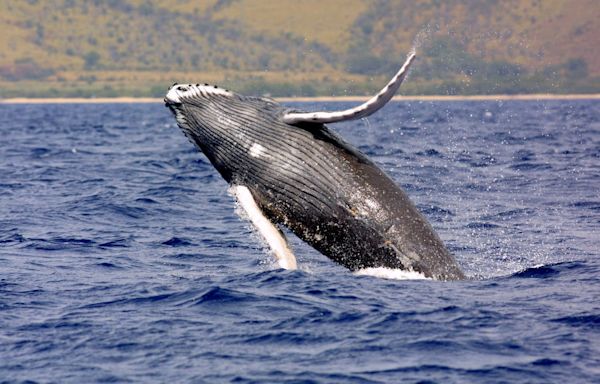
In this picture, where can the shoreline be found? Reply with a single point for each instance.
(121, 100)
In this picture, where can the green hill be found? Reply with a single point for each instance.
(302, 47)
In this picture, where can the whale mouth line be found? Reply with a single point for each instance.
(170, 103)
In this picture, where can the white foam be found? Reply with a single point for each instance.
(422, 37)
(393, 274)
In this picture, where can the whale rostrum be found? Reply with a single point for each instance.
(287, 168)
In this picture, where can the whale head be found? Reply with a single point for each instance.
(229, 128)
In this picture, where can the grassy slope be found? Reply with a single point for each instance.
(325, 22)
(531, 33)
(138, 47)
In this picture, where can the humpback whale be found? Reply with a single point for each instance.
(287, 168)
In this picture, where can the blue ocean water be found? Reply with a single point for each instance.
(122, 258)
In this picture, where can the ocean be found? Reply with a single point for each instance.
(122, 258)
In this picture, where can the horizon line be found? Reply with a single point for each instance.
(107, 100)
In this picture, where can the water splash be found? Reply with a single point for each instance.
(392, 274)
(423, 36)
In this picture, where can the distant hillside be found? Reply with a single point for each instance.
(302, 47)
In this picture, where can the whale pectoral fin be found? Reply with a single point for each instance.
(371, 106)
(272, 235)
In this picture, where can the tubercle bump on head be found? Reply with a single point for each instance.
(178, 91)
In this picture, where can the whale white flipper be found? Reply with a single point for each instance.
(271, 234)
(368, 108)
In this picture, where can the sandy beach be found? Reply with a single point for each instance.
(22, 100)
